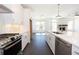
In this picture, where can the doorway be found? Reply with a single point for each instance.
(39, 27)
(30, 29)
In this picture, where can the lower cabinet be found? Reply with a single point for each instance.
(58, 46)
(62, 47)
(75, 50)
(51, 42)
(25, 40)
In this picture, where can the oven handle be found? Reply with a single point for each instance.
(11, 45)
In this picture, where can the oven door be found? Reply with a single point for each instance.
(13, 49)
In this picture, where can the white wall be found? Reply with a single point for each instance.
(76, 23)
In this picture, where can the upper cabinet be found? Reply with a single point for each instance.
(4, 9)
(12, 22)
(17, 15)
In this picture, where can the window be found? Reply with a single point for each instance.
(40, 26)
(37, 26)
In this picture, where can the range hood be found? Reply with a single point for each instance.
(4, 9)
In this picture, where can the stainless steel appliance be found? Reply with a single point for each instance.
(10, 45)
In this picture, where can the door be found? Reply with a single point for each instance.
(30, 29)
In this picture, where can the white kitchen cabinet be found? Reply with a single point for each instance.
(51, 42)
(75, 50)
(47, 40)
(16, 17)
(25, 40)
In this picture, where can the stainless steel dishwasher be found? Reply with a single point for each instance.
(62, 47)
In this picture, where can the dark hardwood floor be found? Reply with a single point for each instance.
(38, 46)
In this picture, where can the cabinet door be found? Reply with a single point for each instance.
(49, 41)
(53, 43)
(47, 37)
(24, 40)
(62, 48)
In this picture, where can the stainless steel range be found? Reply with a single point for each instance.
(10, 44)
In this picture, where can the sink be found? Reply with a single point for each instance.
(57, 32)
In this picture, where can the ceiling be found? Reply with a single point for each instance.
(50, 10)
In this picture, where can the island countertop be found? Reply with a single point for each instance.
(70, 37)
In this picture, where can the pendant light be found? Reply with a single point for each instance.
(58, 16)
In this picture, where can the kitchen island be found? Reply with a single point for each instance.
(71, 38)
